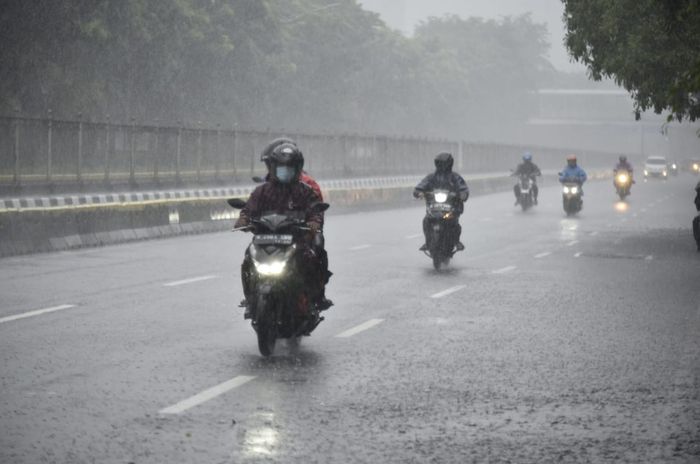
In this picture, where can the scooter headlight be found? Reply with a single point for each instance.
(665, 173)
(646, 173)
(622, 178)
(270, 269)
(566, 189)
(674, 166)
(440, 197)
(696, 166)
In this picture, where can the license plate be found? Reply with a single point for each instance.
(440, 207)
(273, 239)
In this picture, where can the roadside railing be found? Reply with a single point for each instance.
(46, 154)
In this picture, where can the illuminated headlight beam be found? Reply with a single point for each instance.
(270, 269)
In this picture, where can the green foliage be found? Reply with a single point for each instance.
(650, 47)
(295, 64)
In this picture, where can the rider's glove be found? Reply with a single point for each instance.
(314, 226)
(241, 222)
(417, 194)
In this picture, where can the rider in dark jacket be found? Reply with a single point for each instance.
(284, 193)
(527, 168)
(444, 178)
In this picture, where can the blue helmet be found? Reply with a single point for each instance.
(527, 156)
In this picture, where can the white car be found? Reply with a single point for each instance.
(656, 166)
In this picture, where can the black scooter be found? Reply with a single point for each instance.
(279, 304)
(442, 218)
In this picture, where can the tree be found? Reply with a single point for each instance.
(651, 47)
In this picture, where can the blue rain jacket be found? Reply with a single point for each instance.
(575, 174)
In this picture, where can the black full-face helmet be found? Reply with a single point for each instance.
(623, 159)
(444, 162)
(270, 147)
(286, 163)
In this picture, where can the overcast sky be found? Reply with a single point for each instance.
(405, 14)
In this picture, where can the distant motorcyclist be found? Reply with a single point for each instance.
(444, 178)
(573, 172)
(284, 193)
(624, 165)
(530, 169)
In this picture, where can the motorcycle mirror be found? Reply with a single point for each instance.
(258, 179)
(236, 203)
(320, 207)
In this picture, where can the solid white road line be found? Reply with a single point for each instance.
(360, 247)
(542, 255)
(207, 395)
(36, 313)
(448, 291)
(411, 237)
(189, 281)
(504, 270)
(360, 328)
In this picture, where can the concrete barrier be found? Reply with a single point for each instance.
(42, 224)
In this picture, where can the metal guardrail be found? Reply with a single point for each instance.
(46, 155)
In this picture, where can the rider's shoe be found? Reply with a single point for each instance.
(535, 200)
(247, 314)
(459, 246)
(424, 247)
(324, 303)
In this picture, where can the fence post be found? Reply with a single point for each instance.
(217, 158)
(132, 155)
(107, 151)
(199, 153)
(79, 163)
(49, 174)
(16, 174)
(156, 155)
(178, 153)
(234, 150)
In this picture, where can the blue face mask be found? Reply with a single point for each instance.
(284, 174)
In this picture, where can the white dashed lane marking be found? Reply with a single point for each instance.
(190, 281)
(360, 247)
(448, 291)
(504, 270)
(360, 328)
(578, 255)
(411, 237)
(572, 243)
(36, 312)
(207, 395)
(542, 255)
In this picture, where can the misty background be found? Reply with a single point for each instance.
(478, 70)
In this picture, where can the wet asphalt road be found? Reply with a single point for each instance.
(549, 340)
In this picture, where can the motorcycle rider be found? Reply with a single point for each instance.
(444, 178)
(573, 172)
(284, 193)
(319, 241)
(623, 165)
(530, 169)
